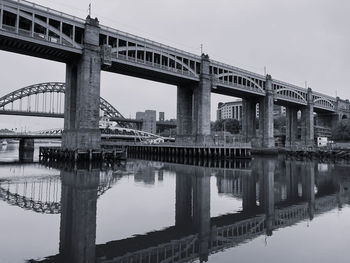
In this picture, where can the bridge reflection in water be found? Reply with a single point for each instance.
(274, 194)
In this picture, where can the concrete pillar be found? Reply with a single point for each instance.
(82, 96)
(183, 205)
(201, 209)
(266, 116)
(248, 119)
(201, 104)
(291, 126)
(328, 120)
(184, 110)
(307, 121)
(78, 215)
(26, 150)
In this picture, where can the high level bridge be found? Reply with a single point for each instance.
(88, 47)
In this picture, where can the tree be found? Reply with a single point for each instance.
(229, 125)
(279, 123)
(342, 131)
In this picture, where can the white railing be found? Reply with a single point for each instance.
(151, 42)
(47, 10)
(240, 70)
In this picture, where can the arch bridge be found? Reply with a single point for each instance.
(31, 29)
(47, 100)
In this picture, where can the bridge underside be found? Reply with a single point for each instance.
(37, 49)
(88, 47)
(148, 74)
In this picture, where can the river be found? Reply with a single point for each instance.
(264, 210)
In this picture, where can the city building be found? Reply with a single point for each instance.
(149, 118)
(161, 116)
(233, 110)
(229, 110)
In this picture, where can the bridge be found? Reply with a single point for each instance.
(47, 100)
(34, 30)
(197, 235)
(109, 135)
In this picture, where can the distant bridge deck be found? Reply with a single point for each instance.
(164, 124)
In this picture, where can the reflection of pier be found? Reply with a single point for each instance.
(274, 195)
(181, 245)
(197, 235)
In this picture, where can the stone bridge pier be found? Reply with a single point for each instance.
(193, 108)
(265, 137)
(306, 123)
(26, 150)
(82, 97)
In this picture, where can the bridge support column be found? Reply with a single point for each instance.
(184, 110)
(78, 215)
(291, 126)
(329, 120)
(248, 119)
(26, 150)
(266, 116)
(307, 121)
(201, 209)
(201, 104)
(82, 96)
(183, 205)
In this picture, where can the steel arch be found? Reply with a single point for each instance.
(57, 87)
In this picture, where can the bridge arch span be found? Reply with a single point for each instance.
(290, 93)
(54, 87)
(324, 102)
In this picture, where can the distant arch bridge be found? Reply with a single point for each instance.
(47, 100)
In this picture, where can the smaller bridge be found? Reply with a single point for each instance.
(47, 100)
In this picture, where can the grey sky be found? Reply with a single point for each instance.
(297, 41)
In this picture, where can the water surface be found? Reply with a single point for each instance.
(268, 210)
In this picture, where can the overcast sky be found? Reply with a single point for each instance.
(297, 41)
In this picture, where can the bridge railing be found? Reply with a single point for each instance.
(148, 41)
(48, 10)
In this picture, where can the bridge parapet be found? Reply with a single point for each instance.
(324, 102)
(288, 92)
(132, 50)
(41, 25)
(228, 76)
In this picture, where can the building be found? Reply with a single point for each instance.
(161, 116)
(148, 120)
(229, 110)
(233, 110)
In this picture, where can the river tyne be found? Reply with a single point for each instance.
(260, 210)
